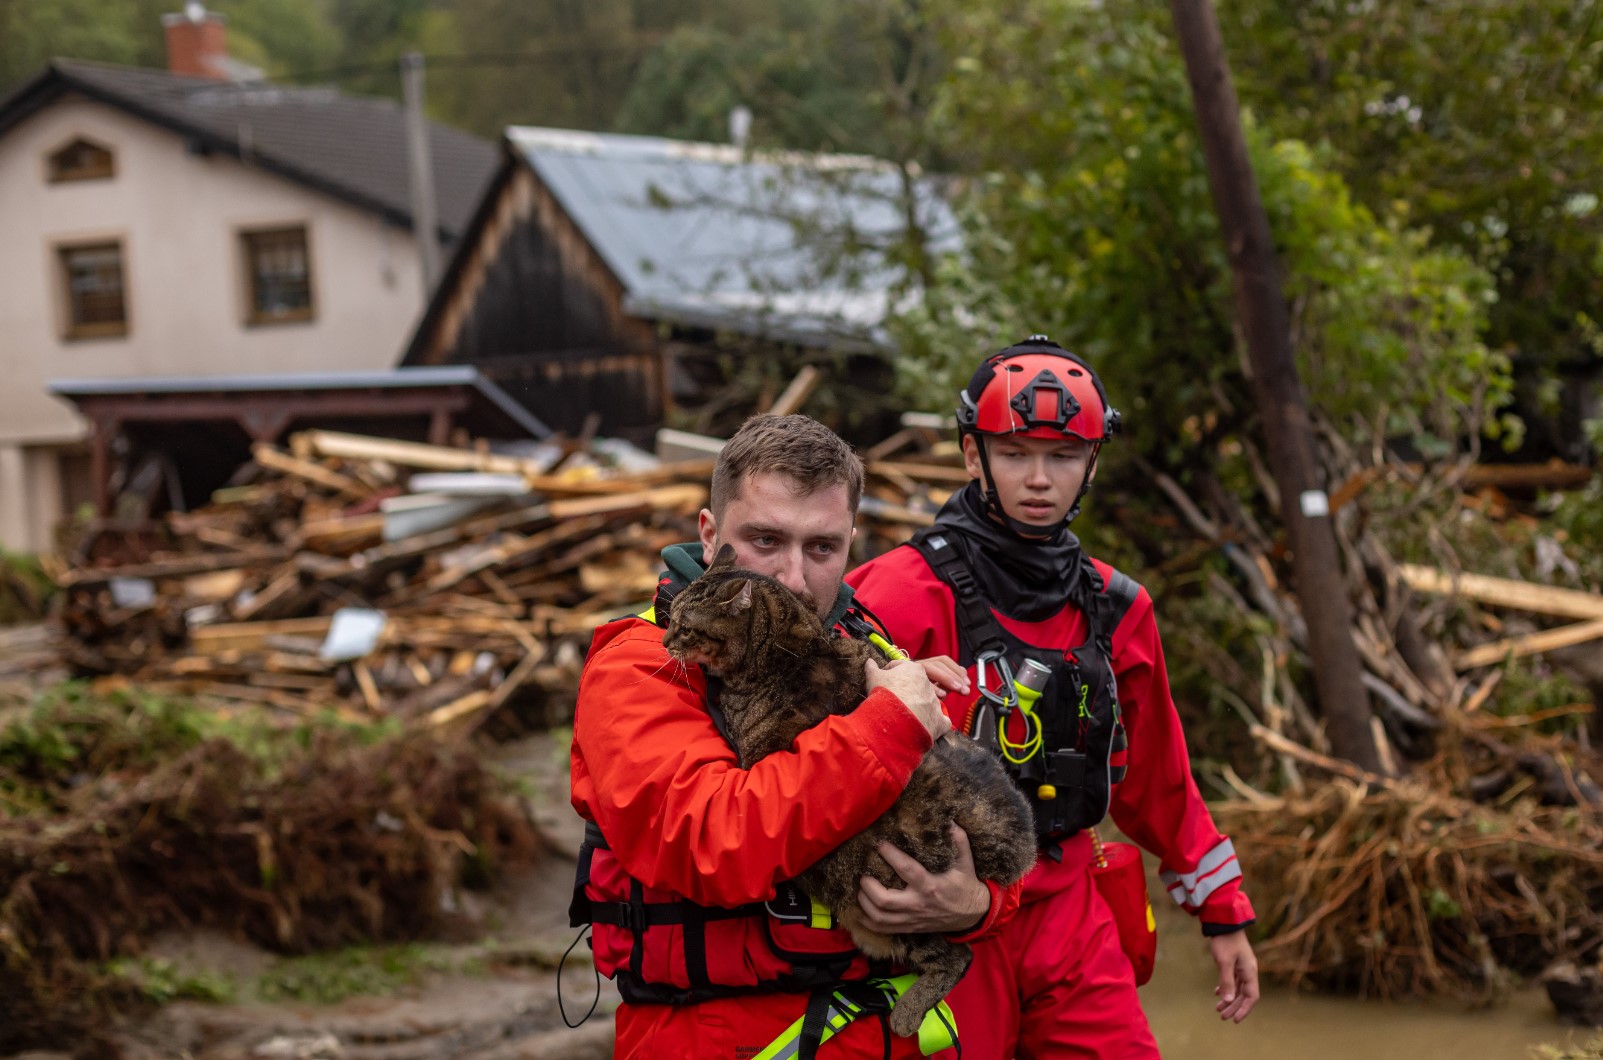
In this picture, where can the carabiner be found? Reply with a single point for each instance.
(1009, 697)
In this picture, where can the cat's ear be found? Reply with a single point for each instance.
(725, 559)
(741, 601)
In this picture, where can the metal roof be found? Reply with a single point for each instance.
(782, 244)
(396, 378)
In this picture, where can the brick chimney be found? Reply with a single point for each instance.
(197, 42)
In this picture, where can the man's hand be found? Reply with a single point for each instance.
(1238, 975)
(951, 903)
(945, 674)
(908, 682)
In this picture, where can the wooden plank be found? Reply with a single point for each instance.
(415, 454)
(798, 391)
(679, 496)
(1504, 592)
(177, 566)
(458, 708)
(367, 686)
(1529, 644)
(316, 474)
(254, 634)
(942, 473)
(281, 586)
(1553, 475)
(351, 531)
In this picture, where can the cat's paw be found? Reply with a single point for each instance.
(905, 1020)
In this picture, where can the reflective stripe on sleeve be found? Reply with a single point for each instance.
(1217, 868)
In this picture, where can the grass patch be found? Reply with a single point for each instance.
(25, 589)
(359, 971)
(160, 981)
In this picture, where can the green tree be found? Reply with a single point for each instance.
(1092, 221)
(118, 31)
(1483, 119)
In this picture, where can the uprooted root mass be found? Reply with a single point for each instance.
(327, 843)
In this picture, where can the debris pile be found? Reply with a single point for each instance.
(1474, 856)
(1400, 890)
(386, 578)
(302, 838)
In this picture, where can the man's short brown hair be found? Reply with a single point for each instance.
(797, 446)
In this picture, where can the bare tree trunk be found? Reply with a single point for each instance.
(1261, 308)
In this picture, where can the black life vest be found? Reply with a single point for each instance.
(1069, 779)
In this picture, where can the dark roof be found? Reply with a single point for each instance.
(350, 147)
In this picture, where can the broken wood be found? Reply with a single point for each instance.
(1504, 592)
(1529, 644)
(795, 395)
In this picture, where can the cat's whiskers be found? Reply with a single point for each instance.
(680, 671)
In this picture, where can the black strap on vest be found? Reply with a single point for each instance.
(978, 629)
(976, 624)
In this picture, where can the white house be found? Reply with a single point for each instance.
(157, 224)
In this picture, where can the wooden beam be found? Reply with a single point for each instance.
(800, 389)
(1529, 644)
(269, 457)
(1503, 592)
(941, 473)
(415, 454)
(1553, 475)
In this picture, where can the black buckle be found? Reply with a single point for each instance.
(631, 916)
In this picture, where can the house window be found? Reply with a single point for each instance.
(92, 277)
(81, 160)
(278, 272)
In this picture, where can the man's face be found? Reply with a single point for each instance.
(1036, 479)
(801, 540)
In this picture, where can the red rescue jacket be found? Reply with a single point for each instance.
(1156, 803)
(689, 854)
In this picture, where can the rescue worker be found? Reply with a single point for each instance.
(1000, 579)
(683, 873)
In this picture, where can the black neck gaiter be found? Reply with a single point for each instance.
(1024, 578)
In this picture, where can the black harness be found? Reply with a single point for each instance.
(1068, 776)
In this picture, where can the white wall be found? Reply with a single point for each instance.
(178, 216)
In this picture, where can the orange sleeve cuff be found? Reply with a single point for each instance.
(892, 733)
(1004, 903)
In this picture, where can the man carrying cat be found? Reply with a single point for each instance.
(684, 872)
(1001, 585)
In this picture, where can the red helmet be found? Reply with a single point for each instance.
(1039, 390)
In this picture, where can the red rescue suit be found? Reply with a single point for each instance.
(682, 820)
(1055, 982)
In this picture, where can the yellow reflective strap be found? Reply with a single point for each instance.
(938, 1030)
(785, 1047)
(821, 916)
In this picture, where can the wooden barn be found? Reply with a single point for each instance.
(607, 280)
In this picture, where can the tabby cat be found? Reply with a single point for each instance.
(782, 672)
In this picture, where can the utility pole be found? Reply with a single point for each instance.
(420, 172)
(1283, 404)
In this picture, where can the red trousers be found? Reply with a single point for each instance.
(1054, 983)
